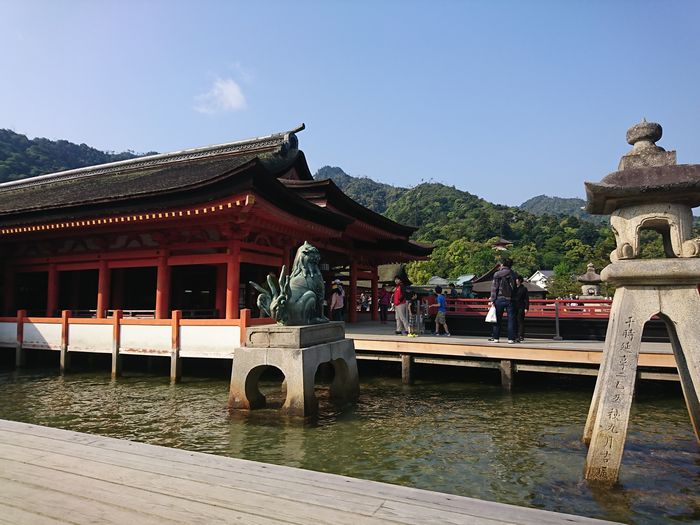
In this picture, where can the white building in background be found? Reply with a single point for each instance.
(466, 278)
(542, 278)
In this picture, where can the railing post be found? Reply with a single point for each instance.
(20, 359)
(406, 369)
(175, 363)
(557, 336)
(243, 325)
(116, 343)
(507, 373)
(65, 357)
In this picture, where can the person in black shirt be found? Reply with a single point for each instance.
(502, 291)
(522, 305)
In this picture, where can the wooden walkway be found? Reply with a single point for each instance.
(57, 476)
(374, 341)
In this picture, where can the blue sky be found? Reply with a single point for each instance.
(506, 100)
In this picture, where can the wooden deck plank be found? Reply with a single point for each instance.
(160, 492)
(91, 462)
(67, 471)
(63, 504)
(12, 515)
(119, 493)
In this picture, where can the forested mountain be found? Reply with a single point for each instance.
(463, 227)
(374, 195)
(21, 157)
(558, 206)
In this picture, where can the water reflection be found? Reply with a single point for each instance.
(458, 437)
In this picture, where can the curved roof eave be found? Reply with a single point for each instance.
(340, 200)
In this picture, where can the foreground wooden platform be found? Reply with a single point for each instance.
(57, 476)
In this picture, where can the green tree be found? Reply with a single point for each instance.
(563, 283)
(525, 259)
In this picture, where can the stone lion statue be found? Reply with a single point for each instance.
(297, 298)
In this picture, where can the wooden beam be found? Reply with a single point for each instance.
(233, 277)
(116, 344)
(162, 289)
(406, 369)
(103, 286)
(507, 373)
(64, 363)
(195, 259)
(274, 261)
(175, 361)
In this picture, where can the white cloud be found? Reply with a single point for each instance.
(243, 73)
(224, 95)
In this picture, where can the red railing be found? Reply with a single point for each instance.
(544, 308)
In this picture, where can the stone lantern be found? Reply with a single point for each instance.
(649, 191)
(590, 283)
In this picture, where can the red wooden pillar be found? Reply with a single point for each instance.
(245, 321)
(233, 280)
(64, 359)
(352, 295)
(9, 299)
(52, 291)
(103, 290)
(162, 288)
(116, 343)
(375, 293)
(220, 304)
(175, 361)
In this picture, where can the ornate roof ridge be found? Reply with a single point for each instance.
(285, 139)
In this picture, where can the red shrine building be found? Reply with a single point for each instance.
(184, 231)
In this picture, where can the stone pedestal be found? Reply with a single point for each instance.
(297, 351)
(671, 292)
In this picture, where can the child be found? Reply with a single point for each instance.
(423, 315)
(413, 315)
(442, 309)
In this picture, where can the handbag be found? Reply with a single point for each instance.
(491, 315)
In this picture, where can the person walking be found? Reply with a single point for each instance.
(384, 302)
(441, 312)
(453, 291)
(337, 301)
(413, 315)
(522, 305)
(400, 307)
(502, 289)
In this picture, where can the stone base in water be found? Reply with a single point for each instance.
(297, 351)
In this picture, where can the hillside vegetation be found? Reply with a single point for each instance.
(561, 207)
(463, 227)
(21, 157)
(374, 195)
